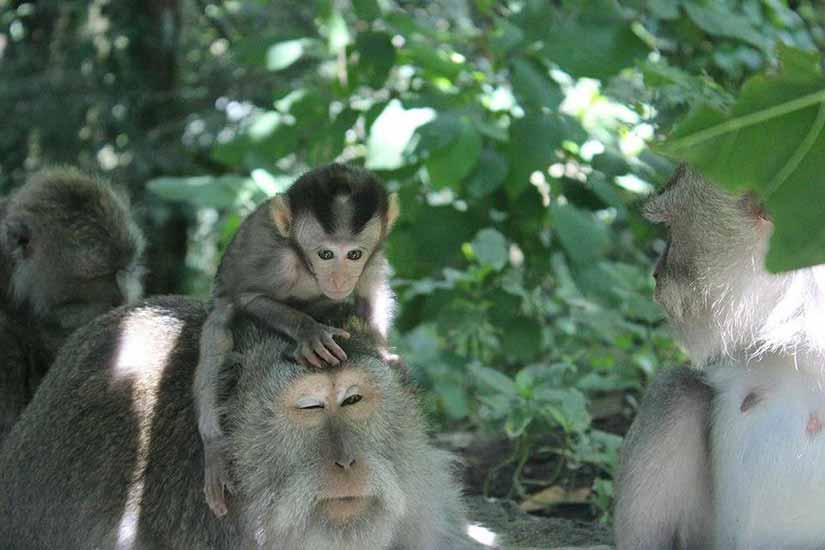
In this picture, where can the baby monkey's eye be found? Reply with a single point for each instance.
(325, 254)
(351, 400)
(354, 255)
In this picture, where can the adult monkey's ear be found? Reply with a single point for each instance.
(15, 235)
(755, 207)
(393, 210)
(281, 214)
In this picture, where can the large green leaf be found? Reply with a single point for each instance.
(772, 142)
(598, 43)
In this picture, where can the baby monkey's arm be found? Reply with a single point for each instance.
(316, 342)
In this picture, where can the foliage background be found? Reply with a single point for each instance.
(517, 134)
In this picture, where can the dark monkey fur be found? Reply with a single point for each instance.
(108, 454)
(69, 251)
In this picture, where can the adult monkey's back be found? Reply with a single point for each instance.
(108, 454)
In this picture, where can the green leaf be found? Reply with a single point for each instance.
(772, 142)
(517, 422)
(664, 9)
(450, 165)
(566, 406)
(366, 9)
(521, 338)
(376, 57)
(533, 86)
(203, 191)
(489, 174)
(505, 37)
(598, 44)
(283, 54)
(389, 136)
(716, 19)
(490, 248)
(494, 380)
(533, 143)
(582, 235)
(434, 61)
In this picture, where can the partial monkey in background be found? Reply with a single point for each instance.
(69, 251)
(730, 455)
(319, 242)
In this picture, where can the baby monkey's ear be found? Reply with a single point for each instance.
(393, 210)
(281, 214)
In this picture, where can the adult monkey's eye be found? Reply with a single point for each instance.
(351, 400)
(307, 403)
(326, 254)
(354, 255)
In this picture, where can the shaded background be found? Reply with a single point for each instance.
(516, 133)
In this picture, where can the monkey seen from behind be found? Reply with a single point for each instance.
(728, 455)
(319, 242)
(69, 251)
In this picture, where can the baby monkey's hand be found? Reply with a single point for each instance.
(317, 346)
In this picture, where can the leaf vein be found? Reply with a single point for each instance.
(800, 153)
(750, 119)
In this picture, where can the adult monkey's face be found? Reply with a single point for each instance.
(710, 279)
(327, 454)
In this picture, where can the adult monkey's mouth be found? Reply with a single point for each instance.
(344, 508)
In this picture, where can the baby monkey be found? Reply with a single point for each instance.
(319, 242)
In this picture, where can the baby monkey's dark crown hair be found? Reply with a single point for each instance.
(312, 193)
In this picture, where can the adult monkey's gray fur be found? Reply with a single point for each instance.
(731, 455)
(69, 251)
(108, 454)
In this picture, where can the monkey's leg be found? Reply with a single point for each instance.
(316, 341)
(664, 479)
(215, 344)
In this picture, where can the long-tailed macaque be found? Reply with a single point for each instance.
(69, 251)
(319, 242)
(108, 455)
(731, 454)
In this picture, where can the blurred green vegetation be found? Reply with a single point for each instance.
(517, 134)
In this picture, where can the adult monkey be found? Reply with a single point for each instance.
(108, 454)
(730, 456)
(69, 251)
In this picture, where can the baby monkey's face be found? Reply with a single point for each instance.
(337, 259)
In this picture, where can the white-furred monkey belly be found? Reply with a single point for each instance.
(768, 455)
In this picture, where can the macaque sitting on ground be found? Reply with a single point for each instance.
(108, 455)
(318, 243)
(731, 454)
